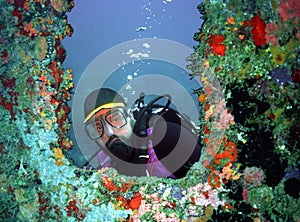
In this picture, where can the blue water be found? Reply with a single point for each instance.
(122, 77)
(165, 77)
(101, 25)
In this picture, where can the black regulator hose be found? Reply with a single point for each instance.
(140, 127)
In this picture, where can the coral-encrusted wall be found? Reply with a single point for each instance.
(248, 61)
(253, 49)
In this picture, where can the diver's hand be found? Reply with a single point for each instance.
(140, 127)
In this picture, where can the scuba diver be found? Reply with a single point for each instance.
(148, 140)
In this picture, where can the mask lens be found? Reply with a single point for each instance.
(116, 119)
(94, 129)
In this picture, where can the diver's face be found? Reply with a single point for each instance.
(113, 122)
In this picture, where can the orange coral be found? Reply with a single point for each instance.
(224, 159)
(230, 20)
(202, 98)
(136, 201)
(109, 184)
(215, 44)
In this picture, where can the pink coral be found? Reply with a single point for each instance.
(245, 195)
(223, 116)
(5, 57)
(289, 9)
(29, 28)
(253, 176)
(271, 32)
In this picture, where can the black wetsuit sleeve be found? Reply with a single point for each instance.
(176, 146)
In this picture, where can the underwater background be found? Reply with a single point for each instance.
(98, 29)
(246, 56)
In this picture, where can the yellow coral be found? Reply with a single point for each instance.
(67, 143)
(209, 112)
(245, 71)
(59, 162)
(58, 155)
(278, 55)
(41, 48)
(60, 5)
(229, 173)
(43, 115)
(48, 124)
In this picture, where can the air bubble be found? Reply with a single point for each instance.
(146, 45)
(130, 51)
(141, 28)
(128, 87)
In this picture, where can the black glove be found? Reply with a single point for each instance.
(127, 153)
(122, 151)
